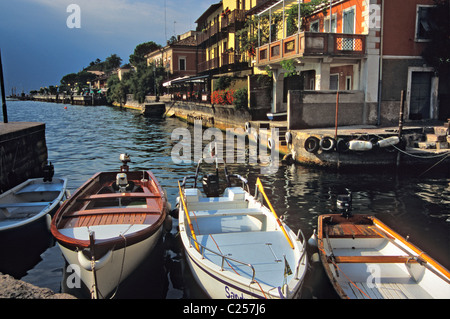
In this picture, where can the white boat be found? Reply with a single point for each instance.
(31, 201)
(110, 225)
(365, 259)
(238, 248)
(25, 214)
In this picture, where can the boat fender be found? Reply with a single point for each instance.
(168, 223)
(390, 141)
(247, 127)
(416, 270)
(341, 145)
(312, 144)
(288, 138)
(312, 241)
(315, 258)
(357, 145)
(282, 291)
(48, 219)
(271, 144)
(86, 263)
(174, 213)
(327, 143)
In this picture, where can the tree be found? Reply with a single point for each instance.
(112, 62)
(138, 59)
(117, 90)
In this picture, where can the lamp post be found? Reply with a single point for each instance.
(2, 84)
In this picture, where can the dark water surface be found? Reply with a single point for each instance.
(84, 140)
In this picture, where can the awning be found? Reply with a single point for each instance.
(169, 83)
(193, 79)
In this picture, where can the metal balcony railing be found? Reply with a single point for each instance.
(312, 44)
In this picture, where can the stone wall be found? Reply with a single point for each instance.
(317, 109)
(23, 152)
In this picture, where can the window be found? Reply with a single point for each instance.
(182, 64)
(334, 82)
(314, 26)
(348, 82)
(424, 24)
(333, 24)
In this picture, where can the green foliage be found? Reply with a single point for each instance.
(117, 90)
(111, 63)
(222, 83)
(241, 99)
(289, 66)
(138, 59)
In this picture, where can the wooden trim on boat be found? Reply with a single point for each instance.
(108, 211)
(118, 195)
(420, 253)
(156, 203)
(372, 259)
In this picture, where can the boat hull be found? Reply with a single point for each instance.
(110, 270)
(217, 284)
(106, 229)
(239, 250)
(23, 240)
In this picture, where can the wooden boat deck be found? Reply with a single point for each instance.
(365, 259)
(106, 206)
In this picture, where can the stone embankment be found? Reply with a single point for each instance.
(16, 289)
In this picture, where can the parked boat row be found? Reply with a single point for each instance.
(234, 242)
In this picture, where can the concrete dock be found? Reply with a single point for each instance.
(23, 152)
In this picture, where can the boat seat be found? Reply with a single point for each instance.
(36, 188)
(372, 259)
(111, 211)
(31, 204)
(118, 195)
(226, 212)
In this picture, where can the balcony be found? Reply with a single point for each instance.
(312, 44)
(214, 63)
(230, 20)
(208, 34)
(230, 61)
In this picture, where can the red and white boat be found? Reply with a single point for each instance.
(110, 225)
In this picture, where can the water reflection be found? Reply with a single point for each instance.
(84, 140)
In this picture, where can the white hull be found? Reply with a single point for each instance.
(242, 252)
(30, 201)
(113, 268)
(218, 284)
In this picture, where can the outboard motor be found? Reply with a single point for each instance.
(48, 171)
(211, 185)
(344, 204)
(122, 182)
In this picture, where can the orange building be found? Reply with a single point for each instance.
(369, 46)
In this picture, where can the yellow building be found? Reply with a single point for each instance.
(218, 26)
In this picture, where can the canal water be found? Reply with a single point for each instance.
(84, 140)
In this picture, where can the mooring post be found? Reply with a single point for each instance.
(2, 84)
(400, 124)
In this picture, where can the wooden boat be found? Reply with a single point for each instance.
(236, 247)
(25, 215)
(109, 225)
(365, 259)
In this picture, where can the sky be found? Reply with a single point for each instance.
(40, 41)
